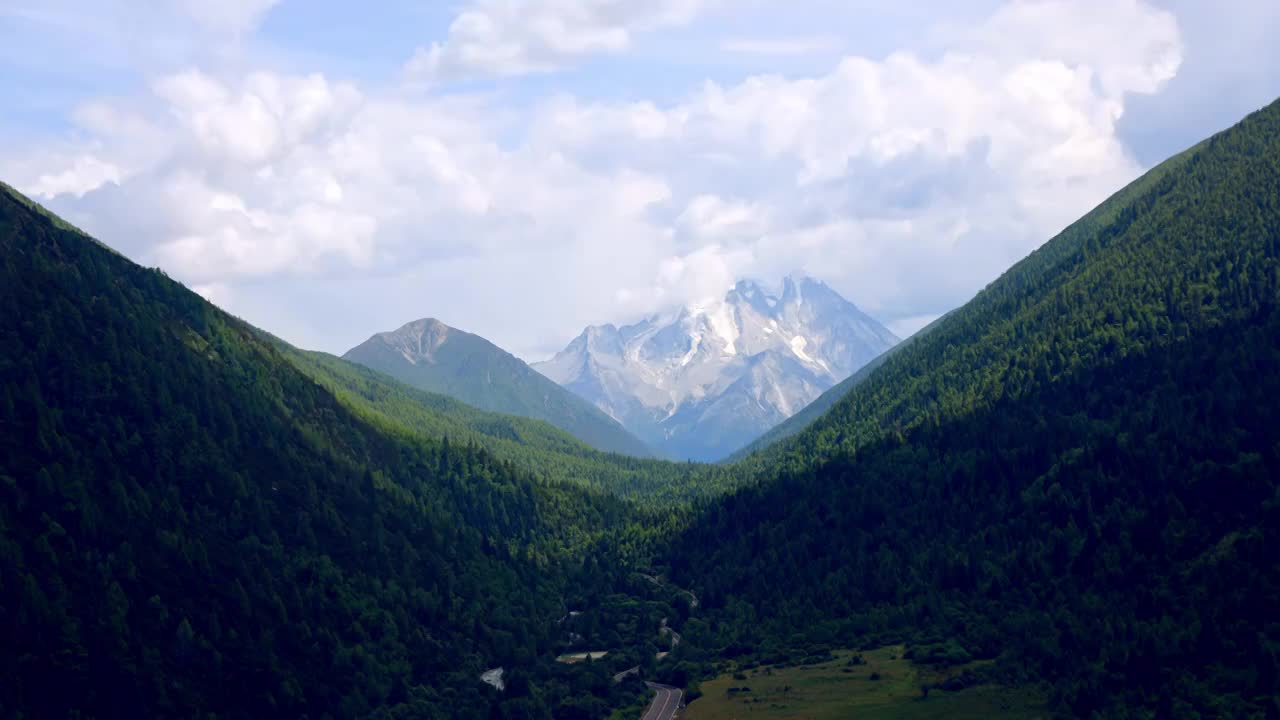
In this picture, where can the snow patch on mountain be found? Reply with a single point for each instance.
(700, 381)
(797, 347)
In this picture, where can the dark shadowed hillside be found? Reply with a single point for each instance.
(189, 524)
(1074, 474)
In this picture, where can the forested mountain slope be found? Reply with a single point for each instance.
(1075, 473)
(549, 453)
(190, 525)
(1017, 321)
(431, 356)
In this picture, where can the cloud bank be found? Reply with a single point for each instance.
(326, 209)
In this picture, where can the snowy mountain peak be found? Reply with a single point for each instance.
(704, 379)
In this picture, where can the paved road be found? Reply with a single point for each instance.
(666, 701)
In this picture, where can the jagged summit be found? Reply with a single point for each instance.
(700, 380)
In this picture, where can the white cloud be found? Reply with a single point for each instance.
(87, 173)
(263, 120)
(908, 181)
(216, 235)
(326, 211)
(239, 179)
(518, 37)
(1232, 68)
(1130, 45)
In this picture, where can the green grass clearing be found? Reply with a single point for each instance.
(837, 691)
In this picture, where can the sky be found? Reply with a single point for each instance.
(523, 168)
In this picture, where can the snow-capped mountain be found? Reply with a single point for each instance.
(703, 380)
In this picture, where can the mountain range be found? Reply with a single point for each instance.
(703, 380)
(432, 356)
(1066, 489)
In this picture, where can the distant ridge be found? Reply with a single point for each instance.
(430, 355)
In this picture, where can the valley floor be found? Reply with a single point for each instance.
(837, 690)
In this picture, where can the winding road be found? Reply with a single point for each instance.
(666, 701)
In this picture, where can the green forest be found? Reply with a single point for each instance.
(1074, 474)
(1073, 477)
(189, 522)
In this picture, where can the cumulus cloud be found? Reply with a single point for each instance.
(911, 181)
(215, 234)
(1232, 68)
(326, 211)
(260, 122)
(517, 37)
(87, 173)
(1129, 45)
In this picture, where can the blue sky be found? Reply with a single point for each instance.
(521, 168)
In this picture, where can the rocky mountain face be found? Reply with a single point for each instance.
(432, 356)
(703, 380)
